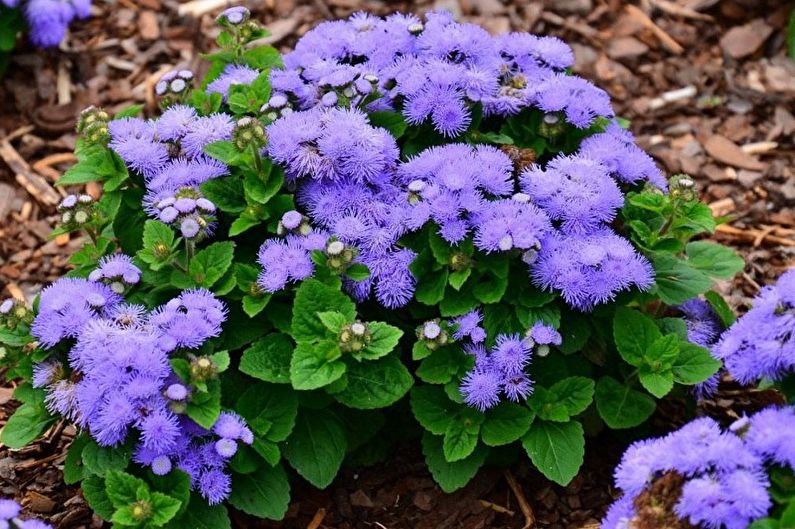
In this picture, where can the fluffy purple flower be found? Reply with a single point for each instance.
(578, 99)
(761, 344)
(233, 74)
(510, 354)
(175, 122)
(506, 224)
(616, 149)
(469, 327)
(206, 130)
(334, 144)
(67, 306)
(116, 268)
(725, 481)
(576, 191)
(49, 19)
(591, 269)
(135, 141)
(10, 509)
(481, 388)
(188, 320)
(284, 261)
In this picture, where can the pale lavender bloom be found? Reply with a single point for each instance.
(233, 74)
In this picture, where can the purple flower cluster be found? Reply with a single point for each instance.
(332, 145)
(464, 189)
(169, 153)
(589, 269)
(761, 344)
(119, 382)
(435, 71)
(117, 271)
(289, 259)
(49, 19)
(501, 371)
(725, 482)
(9, 511)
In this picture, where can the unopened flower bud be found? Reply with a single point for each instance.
(355, 337)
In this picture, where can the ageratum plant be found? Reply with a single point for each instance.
(403, 230)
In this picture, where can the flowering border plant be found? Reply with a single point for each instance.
(402, 222)
(46, 21)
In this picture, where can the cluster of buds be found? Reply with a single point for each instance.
(177, 395)
(277, 106)
(93, 125)
(433, 335)
(552, 125)
(174, 86)
(14, 312)
(237, 20)
(459, 261)
(682, 187)
(293, 223)
(248, 132)
(189, 212)
(339, 255)
(353, 338)
(76, 211)
(141, 509)
(202, 369)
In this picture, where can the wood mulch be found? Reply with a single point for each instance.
(707, 87)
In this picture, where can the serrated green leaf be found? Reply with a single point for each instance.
(384, 340)
(317, 446)
(357, 272)
(556, 449)
(620, 406)
(211, 263)
(394, 122)
(96, 497)
(333, 320)
(316, 365)
(461, 435)
(204, 408)
(164, 508)
(313, 297)
(28, 422)
(694, 364)
(725, 313)
(268, 359)
(375, 384)
(678, 282)
(713, 259)
(269, 410)
(505, 423)
(122, 488)
(430, 289)
(634, 333)
(432, 409)
(200, 515)
(100, 460)
(264, 494)
(450, 476)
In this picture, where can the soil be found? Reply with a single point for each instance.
(708, 89)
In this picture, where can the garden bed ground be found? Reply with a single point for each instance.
(705, 83)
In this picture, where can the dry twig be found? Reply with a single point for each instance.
(317, 519)
(527, 511)
(34, 183)
(666, 40)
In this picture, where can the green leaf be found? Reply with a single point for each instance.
(376, 384)
(156, 236)
(96, 496)
(357, 272)
(461, 435)
(226, 193)
(661, 354)
(316, 365)
(243, 223)
(175, 484)
(28, 422)
(441, 366)
(574, 393)
(313, 297)
(620, 406)
(211, 263)
(204, 408)
(259, 190)
(634, 333)
(164, 508)
(262, 58)
(122, 488)
(714, 259)
(659, 383)
(394, 122)
(200, 515)
(385, 339)
(677, 281)
(430, 289)
(556, 449)
(317, 446)
(268, 359)
(74, 470)
(457, 279)
(432, 409)
(725, 313)
(100, 460)
(224, 151)
(694, 364)
(264, 494)
(450, 476)
(269, 410)
(505, 424)
(333, 320)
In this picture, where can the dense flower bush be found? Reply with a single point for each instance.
(403, 221)
(46, 21)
